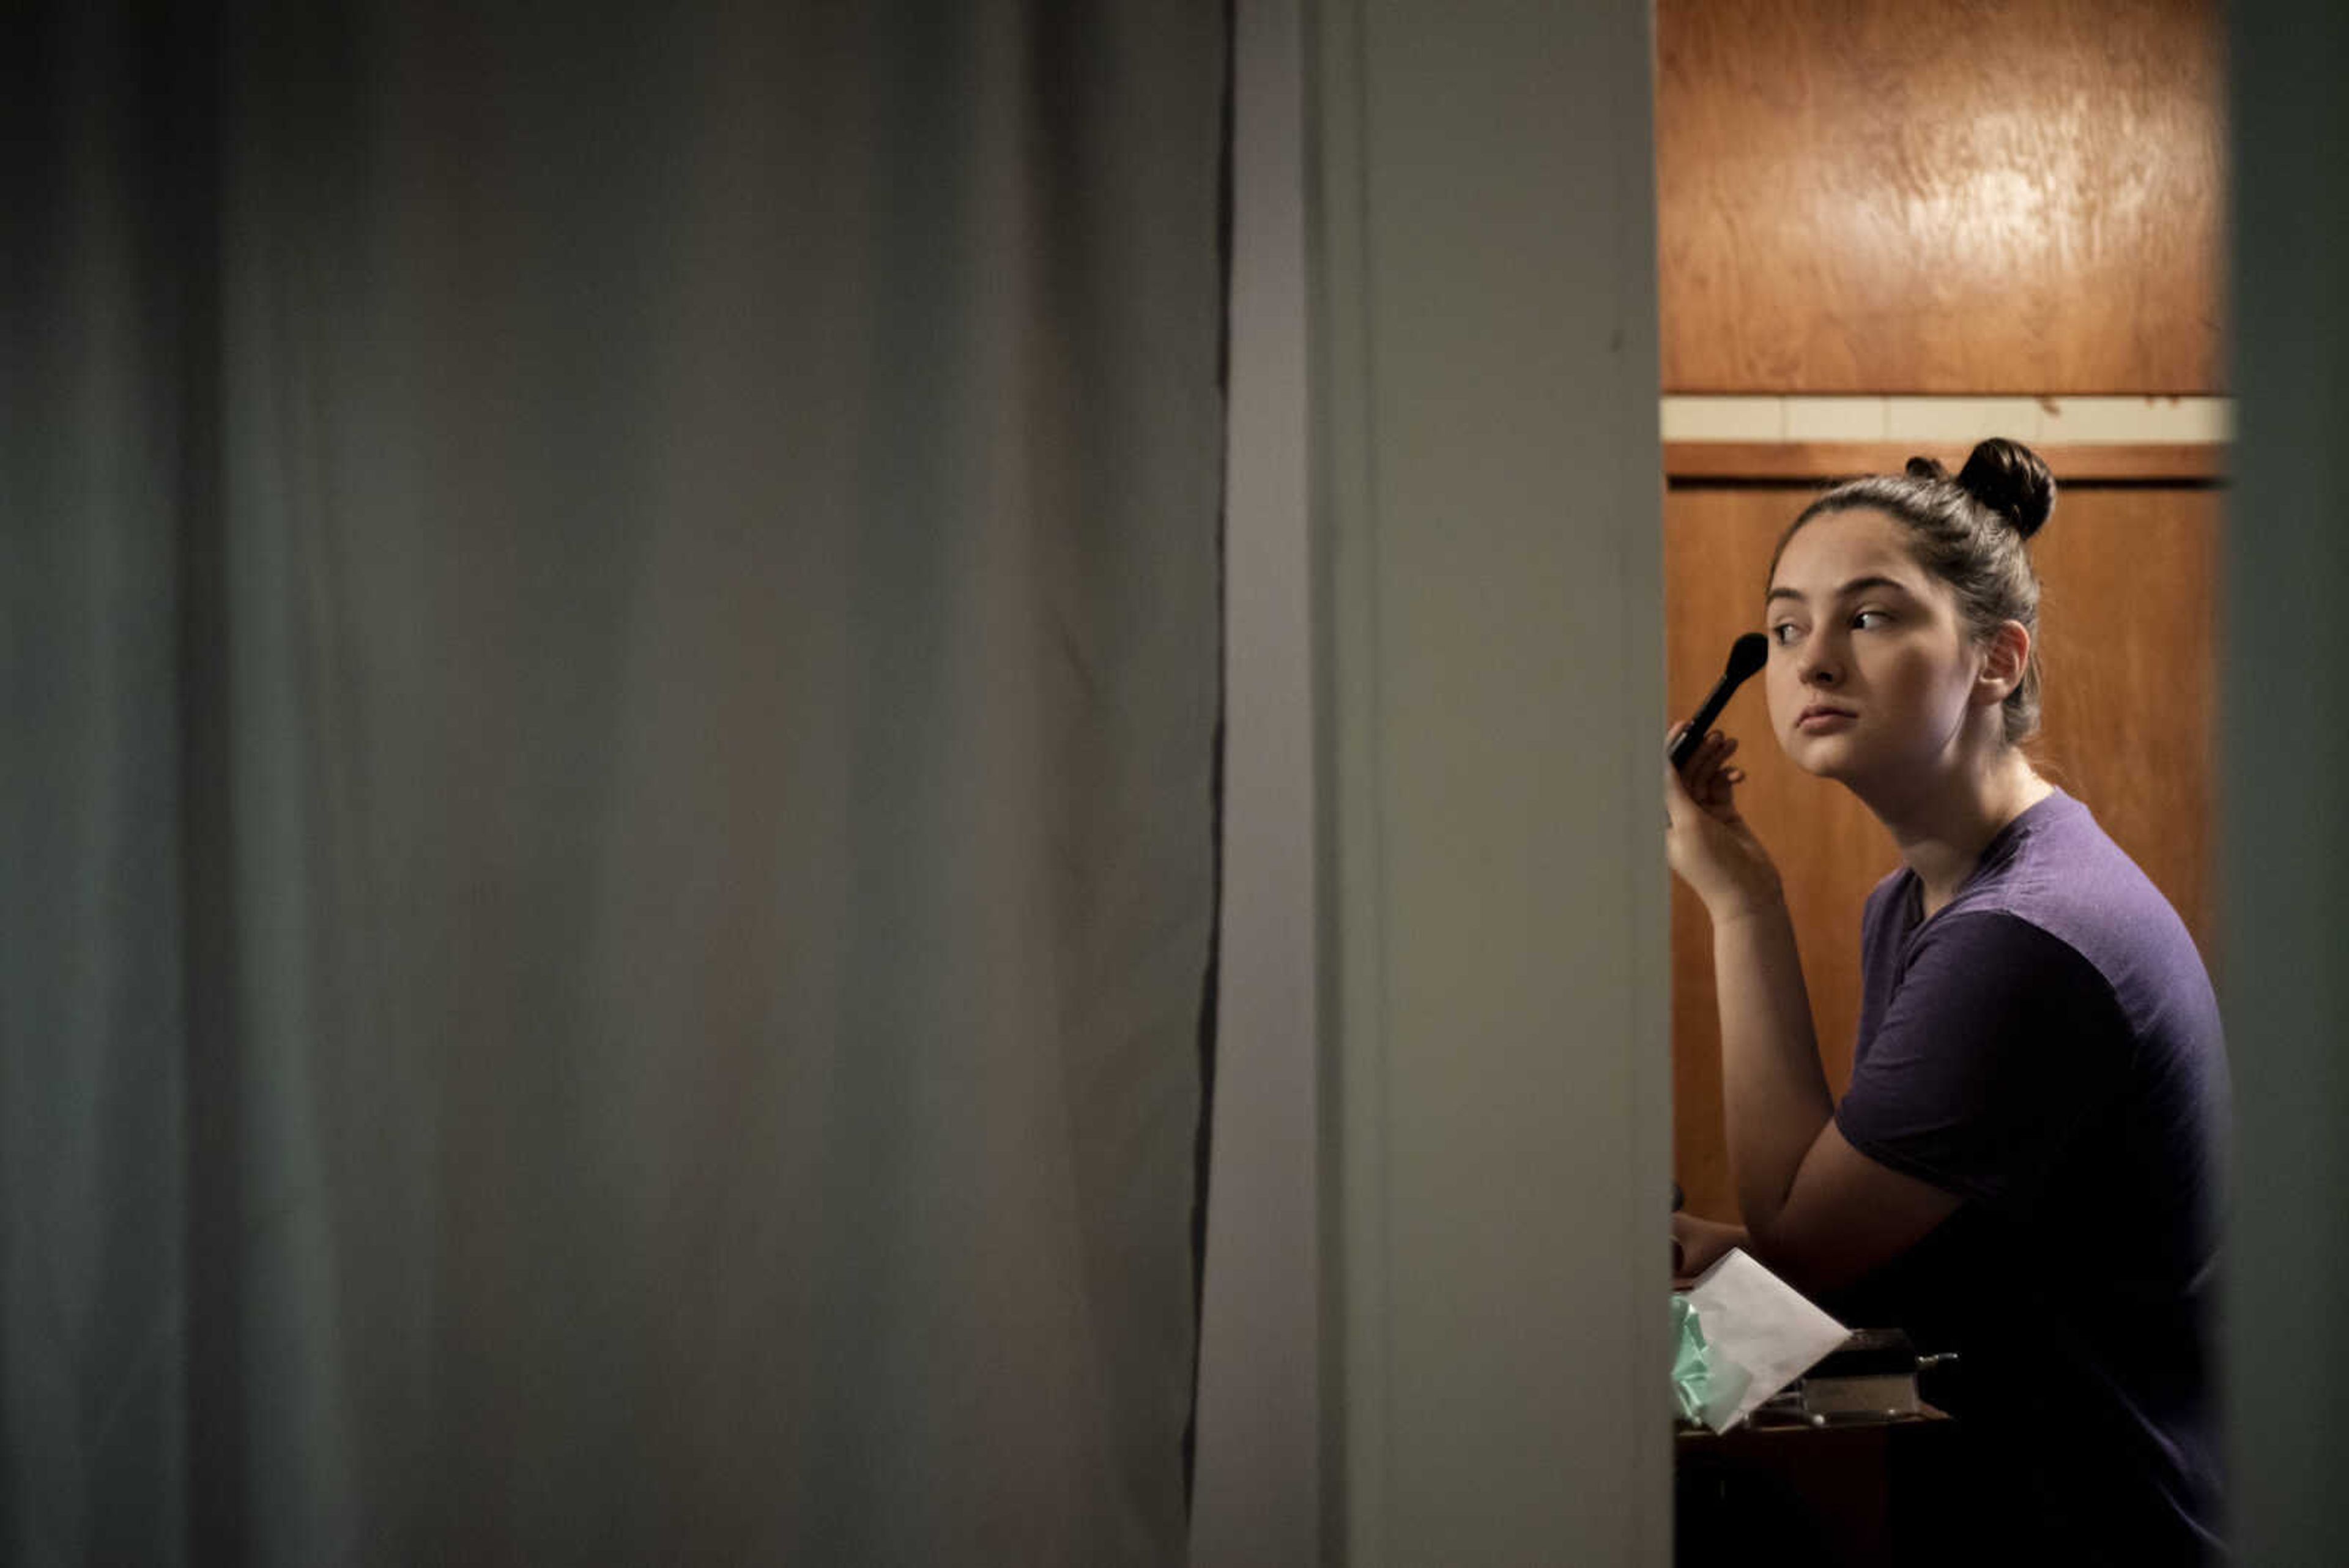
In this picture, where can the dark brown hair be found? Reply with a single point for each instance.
(1969, 531)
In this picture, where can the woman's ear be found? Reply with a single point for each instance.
(2005, 656)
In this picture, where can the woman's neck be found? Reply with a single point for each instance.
(1943, 825)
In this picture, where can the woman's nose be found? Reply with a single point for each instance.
(1819, 665)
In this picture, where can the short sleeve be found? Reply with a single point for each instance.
(1997, 1046)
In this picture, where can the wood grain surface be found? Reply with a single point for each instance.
(1801, 460)
(2127, 633)
(1888, 196)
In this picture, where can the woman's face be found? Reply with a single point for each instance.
(1871, 671)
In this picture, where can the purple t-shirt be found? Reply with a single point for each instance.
(2047, 1048)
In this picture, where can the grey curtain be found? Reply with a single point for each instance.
(611, 683)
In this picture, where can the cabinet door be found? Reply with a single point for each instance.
(1881, 196)
(2128, 644)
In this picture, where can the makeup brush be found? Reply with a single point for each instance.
(1747, 655)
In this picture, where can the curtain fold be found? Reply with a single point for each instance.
(613, 664)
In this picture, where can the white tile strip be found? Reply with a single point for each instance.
(2121, 421)
(2124, 419)
(1966, 419)
(1834, 419)
(1724, 419)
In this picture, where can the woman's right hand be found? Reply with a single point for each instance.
(1708, 843)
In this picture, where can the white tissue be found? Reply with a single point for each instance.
(1761, 1325)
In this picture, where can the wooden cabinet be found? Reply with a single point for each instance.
(1886, 196)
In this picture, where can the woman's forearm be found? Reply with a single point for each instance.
(1776, 1095)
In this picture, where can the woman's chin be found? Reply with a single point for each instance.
(1823, 757)
(1808, 755)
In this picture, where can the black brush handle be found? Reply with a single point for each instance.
(1748, 654)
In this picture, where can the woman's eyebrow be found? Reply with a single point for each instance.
(1845, 592)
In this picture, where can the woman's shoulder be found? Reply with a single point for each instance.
(2066, 876)
(2065, 873)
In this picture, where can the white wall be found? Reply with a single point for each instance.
(1433, 1313)
(2285, 727)
(1487, 504)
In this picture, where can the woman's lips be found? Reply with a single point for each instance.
(1823, 721)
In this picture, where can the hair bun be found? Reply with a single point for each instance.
(2009, 478)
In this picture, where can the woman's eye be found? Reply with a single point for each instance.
(1870, 617)
(1785, 633)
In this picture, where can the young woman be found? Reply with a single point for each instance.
(2027, 1166)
